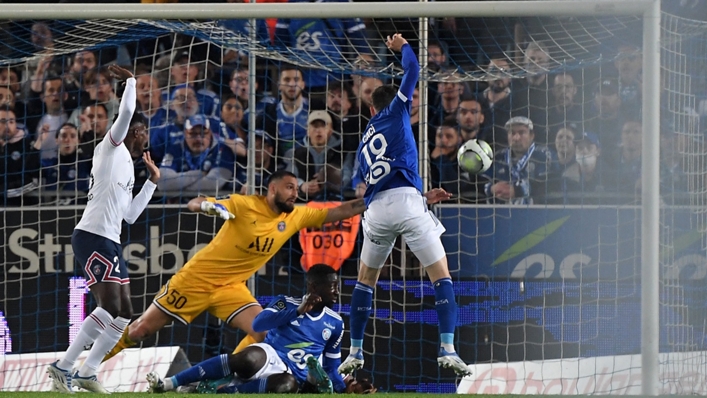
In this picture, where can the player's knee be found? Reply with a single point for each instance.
(112, 307)
(247, 362)
(282, 383)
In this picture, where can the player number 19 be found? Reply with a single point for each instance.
(380, 168)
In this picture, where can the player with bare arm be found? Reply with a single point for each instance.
(96, 240)
(387, 157)
(214, 280)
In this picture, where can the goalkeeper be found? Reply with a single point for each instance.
(214, 280)
(300, 331)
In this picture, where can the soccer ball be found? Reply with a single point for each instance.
(475, 156)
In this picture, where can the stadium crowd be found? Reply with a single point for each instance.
(559, 136)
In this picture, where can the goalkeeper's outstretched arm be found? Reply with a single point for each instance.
(203, 205)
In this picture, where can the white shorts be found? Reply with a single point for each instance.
(273, 364)
(400, 211)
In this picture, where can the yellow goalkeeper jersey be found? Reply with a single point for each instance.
(247, 242)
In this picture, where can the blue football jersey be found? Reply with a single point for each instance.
(304, 336)
(292, 129)
(387, 154)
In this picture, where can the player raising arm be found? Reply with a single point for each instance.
(96, 240)
(387, 157)
(300, 331)
(214, 279)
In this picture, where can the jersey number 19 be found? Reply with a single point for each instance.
(374, 152)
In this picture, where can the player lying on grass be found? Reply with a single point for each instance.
(214, 279)
(300, 330)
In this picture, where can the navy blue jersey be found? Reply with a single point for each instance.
(297, 337)
(387, 154)
(180, 159)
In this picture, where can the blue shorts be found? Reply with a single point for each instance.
(100, 258)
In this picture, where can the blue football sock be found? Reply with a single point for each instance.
(212, 369)
(361, 302)
(446, 306)
(254, 386)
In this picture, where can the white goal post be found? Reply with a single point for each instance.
(648, 9)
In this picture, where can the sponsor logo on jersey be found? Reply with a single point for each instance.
(295, 323)
(329, 325)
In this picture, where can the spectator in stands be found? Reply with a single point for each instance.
(264, 164)
(569, 174)
(444, 167)
(197, 164)
(625, 165)
(415, 123)
(52, 114)
(363, 95)
(470, 118)
(236, 136)
(240, 87)
(184, 104)
(69, 169)
(10, 77)
(8, 98)
(346, 118)
(81, 63)
(287, 120)
(498, 102)
(531, 97)
(186, 72)
(450, 90)
(323, 41)
(588, 156)
(519, 173)
(320, 166)
(93, 127)
(150, 101)
(607, 122)
(436, 55)
(564, 108)
(99, 85)
(19, 162)
(363, 63)
(629, 65)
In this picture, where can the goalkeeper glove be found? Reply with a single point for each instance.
(215, 209)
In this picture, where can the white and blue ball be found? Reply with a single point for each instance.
(475, 156)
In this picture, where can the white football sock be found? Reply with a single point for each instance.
(102, 346)
(92, 327)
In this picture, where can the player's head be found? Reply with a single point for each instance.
(381, 97)
(323, 281)
(282, 190)
(138, 134)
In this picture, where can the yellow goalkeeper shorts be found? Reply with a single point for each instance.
(184, 300)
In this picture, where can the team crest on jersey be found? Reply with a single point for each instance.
(281, 226)
(97, 269)
(71, 173)
(16, 155)
(326, 334)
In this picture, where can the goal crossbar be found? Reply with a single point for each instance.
(326, 10)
